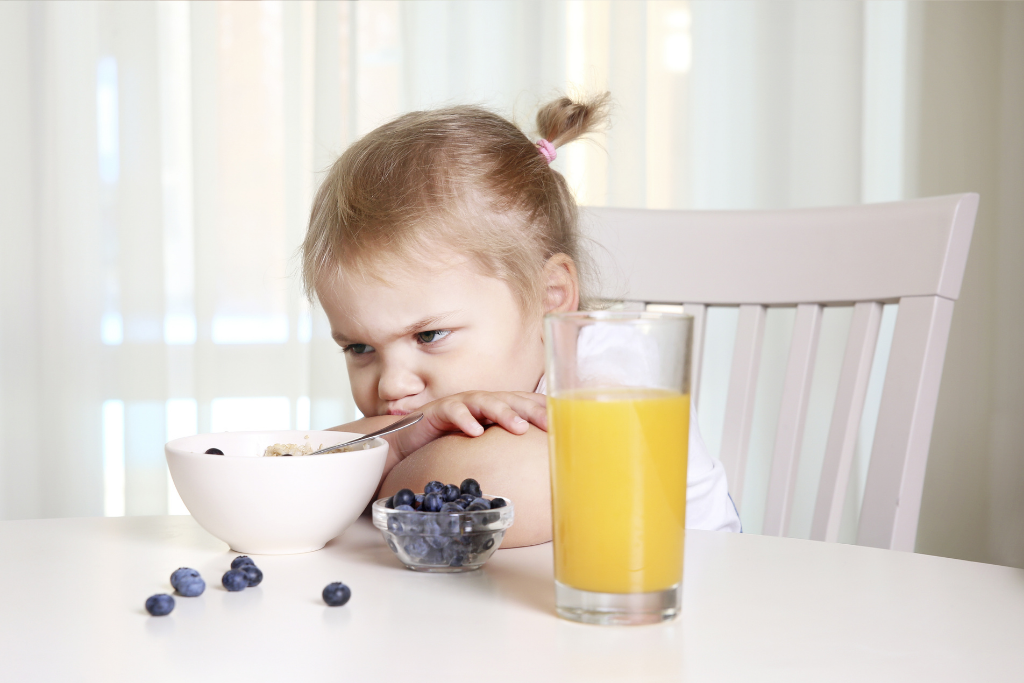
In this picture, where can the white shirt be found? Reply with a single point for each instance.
(708, 505)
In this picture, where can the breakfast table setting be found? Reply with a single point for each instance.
(287, 568)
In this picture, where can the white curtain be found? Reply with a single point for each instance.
(158, 161)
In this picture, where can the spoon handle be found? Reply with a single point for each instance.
(406, 421)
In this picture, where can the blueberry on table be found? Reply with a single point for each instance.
(404, 497)
(337, 594)
(471, 486)
(240, 560)
(234, 580)
(498, 503)
(182, 573)
(433, 487)
(450, 493)
(191, 588)
(214, 451)
(160, 604)
(432, 502)
(253, 575)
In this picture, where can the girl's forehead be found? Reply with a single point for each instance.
(417, 283)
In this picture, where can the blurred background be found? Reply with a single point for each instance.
(157, 162)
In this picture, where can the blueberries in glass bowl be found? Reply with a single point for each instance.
(454, 529)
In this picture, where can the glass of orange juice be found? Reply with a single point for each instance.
(618, 386)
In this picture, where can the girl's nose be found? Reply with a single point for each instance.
(398, 381)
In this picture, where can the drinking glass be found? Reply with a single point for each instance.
(618, 386)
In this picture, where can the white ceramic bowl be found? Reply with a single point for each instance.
(276, 505)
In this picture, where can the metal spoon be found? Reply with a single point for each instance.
(406, 421)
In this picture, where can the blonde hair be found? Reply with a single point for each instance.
(462, 177)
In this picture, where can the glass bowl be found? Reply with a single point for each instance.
(444, 542)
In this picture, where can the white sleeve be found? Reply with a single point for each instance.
(708, 505)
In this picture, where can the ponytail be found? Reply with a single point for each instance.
(563, 120)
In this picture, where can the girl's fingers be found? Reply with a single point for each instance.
(460, 416)
(531, 409)
(508, 410)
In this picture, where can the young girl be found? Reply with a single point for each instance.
(436, 245)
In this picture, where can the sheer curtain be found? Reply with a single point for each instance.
(159, 160)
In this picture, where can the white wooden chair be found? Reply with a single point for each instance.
(912, 252)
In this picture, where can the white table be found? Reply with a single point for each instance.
(754, 609)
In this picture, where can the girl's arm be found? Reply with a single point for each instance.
(449, 444)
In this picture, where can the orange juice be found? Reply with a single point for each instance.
(618, 479)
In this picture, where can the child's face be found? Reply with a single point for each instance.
(431, 332)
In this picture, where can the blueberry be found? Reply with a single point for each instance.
(190, 587)
(405, 497)
(471, 486)
(212, 451)
(455, 554)
(488, 544)
(432, 533)
(417, 548)
(498, 503)
(419, 501)
(467, 498)
(240, 560)
(451, 507)
(404, 508)
(183, 573)
(253, 575)
(479, 504)
(336, 594)
(234, 580)
(395, 525)
(160, 604)
(433, 487)
(432, 502)
(450, 493)
(390, 503)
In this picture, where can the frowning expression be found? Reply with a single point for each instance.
(416, 334)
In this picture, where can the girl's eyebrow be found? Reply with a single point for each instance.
(342, 340)
(428, 322)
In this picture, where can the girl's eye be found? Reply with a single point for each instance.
(358, 349)
(431, 336)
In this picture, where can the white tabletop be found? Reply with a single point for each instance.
(754, 609)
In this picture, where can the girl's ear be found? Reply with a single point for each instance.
(561, 285)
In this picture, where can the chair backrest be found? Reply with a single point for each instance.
(912, 252)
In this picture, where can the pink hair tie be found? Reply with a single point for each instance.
(547, 150)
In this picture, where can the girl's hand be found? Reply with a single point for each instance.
(467, 413)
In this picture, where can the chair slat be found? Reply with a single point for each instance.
(739, 406)
(846, 417)
(792, 416)
(699, 313)
(892, 496)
